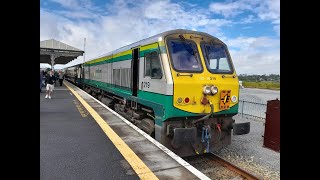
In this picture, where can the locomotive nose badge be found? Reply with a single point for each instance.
(225, 99)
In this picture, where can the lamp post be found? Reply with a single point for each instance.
(52, 57)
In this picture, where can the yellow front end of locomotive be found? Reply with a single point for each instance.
(193, 91)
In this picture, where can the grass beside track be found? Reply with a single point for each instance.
(262, 85)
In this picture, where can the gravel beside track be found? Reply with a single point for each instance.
(247, 152)
(211, 168)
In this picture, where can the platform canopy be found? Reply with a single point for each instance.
(55, 52)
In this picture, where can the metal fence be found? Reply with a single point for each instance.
(252, 109)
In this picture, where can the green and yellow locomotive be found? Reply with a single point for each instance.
(179, 86)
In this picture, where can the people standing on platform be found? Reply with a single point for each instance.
(61, 77)
(56, 75)
(50, 81)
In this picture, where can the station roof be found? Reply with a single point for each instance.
(62, 52)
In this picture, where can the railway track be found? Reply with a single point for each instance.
(216, 167)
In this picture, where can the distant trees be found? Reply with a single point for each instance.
(259, 78)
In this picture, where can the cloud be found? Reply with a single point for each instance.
(264, 10)
(253, 42)
(269, 10)
(248, 62)
(78, 14)
(232, 8)
(75, 4)
(257, 55)
(125, 22)
(49, 24)
(77, 9)
(249, 19)
(70, 4)
(276, 28)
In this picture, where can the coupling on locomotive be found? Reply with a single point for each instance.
(179, 86)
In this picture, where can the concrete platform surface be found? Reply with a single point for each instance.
(73, 146)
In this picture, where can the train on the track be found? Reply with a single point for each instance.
(179, 86)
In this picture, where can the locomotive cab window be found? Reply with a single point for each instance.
(152, 66)
(184, 56)
(216, 58)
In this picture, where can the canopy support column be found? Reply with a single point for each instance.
(53, 57)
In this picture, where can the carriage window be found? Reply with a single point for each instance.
(216, 58)
(184, 56)
(98, 74)
(152, 67)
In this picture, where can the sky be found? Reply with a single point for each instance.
(250, 28)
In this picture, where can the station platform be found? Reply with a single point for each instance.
(81, 138)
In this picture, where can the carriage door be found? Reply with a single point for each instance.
(135, 71)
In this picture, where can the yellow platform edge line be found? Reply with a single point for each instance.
(135, 162)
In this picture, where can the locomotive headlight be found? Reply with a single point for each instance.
(206, 90)
(214, 90)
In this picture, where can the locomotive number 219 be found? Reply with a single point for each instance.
(145, 84)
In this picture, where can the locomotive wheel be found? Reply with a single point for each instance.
(111, 105)
(147, 125)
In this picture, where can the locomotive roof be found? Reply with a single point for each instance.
(153, 39)
(150, 40)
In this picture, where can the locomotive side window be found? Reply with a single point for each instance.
(216, 58)
(184, 56)
(152, 67)
(147, 65)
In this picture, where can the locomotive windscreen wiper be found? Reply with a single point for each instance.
(181, 37)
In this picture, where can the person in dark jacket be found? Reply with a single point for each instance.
(61, 77)
(50, 81)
